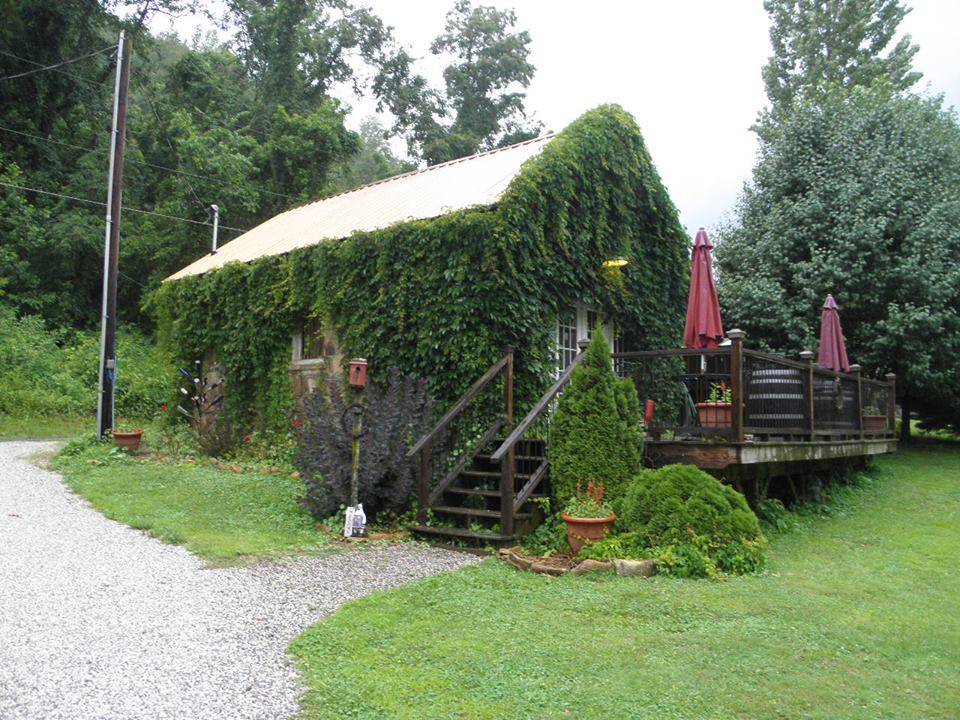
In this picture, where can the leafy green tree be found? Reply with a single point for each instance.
(857, 195)
(482, 107)
(819, 44)
(375, 161)
(592, 434)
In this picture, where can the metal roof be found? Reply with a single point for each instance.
(472, 181)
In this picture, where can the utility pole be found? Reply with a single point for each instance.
(111, 257)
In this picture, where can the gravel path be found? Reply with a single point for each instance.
(98, 620)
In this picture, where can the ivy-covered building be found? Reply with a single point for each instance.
(436, 271)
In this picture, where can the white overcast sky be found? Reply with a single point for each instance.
(688, 71)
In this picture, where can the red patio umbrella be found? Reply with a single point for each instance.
(704, 328)
(833, 351)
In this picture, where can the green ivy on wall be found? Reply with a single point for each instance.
(441, 298)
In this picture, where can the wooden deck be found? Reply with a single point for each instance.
(721, 455)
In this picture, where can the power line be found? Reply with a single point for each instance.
(137, 162)
(42, 68)
(128, 209)
(95, 83)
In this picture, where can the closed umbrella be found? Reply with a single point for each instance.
(833, 351)
(704, 328)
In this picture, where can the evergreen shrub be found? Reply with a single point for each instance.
(594, 434)
(693, 524)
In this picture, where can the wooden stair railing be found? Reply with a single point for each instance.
(427, 496)
(504, 454)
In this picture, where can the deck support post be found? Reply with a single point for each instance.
(423, 482)
(736, 383)
(807, 356)
(856, 370)
(891, 379)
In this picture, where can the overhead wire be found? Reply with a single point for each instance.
(43, 68)
(155, 166)
(124, 207)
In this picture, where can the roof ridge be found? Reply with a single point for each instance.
(419, 171)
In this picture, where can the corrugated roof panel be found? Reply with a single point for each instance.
(474, 181)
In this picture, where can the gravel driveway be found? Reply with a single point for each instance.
(98, 620)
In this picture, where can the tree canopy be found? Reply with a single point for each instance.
(255, 124)
(858, 195)
(819, 44)
(483, 105)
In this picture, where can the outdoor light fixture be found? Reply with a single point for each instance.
(616, 262)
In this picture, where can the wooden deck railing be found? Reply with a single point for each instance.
(771, 397)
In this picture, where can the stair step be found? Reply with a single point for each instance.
(474, 512)
(516, 457)
(462, 533)
(480, 491)
(491, 474)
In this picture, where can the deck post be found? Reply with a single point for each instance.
(891, 379)
(736, 383)
(855, 370)
(807, 356)
(508, 464)
(423, 483)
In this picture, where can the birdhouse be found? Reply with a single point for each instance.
(358, 373)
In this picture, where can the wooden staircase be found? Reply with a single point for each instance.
(469, 510)
(473, 488)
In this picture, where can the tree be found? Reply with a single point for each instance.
(376, 160)
(819, 44)
(482, 107)
(858, 195)
(594, 435)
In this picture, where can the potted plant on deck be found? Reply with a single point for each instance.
(717, 411)
(873, 419)
(587, 516)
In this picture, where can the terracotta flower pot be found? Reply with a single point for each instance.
(715, 414)
(129, 440)
(580, 530)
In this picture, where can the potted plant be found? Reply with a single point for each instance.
(587, 516)
(717, 411)
(873, 419)
(126, 435)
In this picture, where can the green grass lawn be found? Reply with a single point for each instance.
(37, 427)
(857, 616)
(217, 514)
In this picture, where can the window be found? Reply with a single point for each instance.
(315, 342)
(567, 337)
(312, 334)
(577, 322)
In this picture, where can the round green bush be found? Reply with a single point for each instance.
(686, 512)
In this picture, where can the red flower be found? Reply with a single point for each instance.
(247, 438)
(163, 406)
(296, 424)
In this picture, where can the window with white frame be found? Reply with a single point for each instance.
(567, 337)
(577, 322)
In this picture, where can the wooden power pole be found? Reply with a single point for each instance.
(108, 355)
